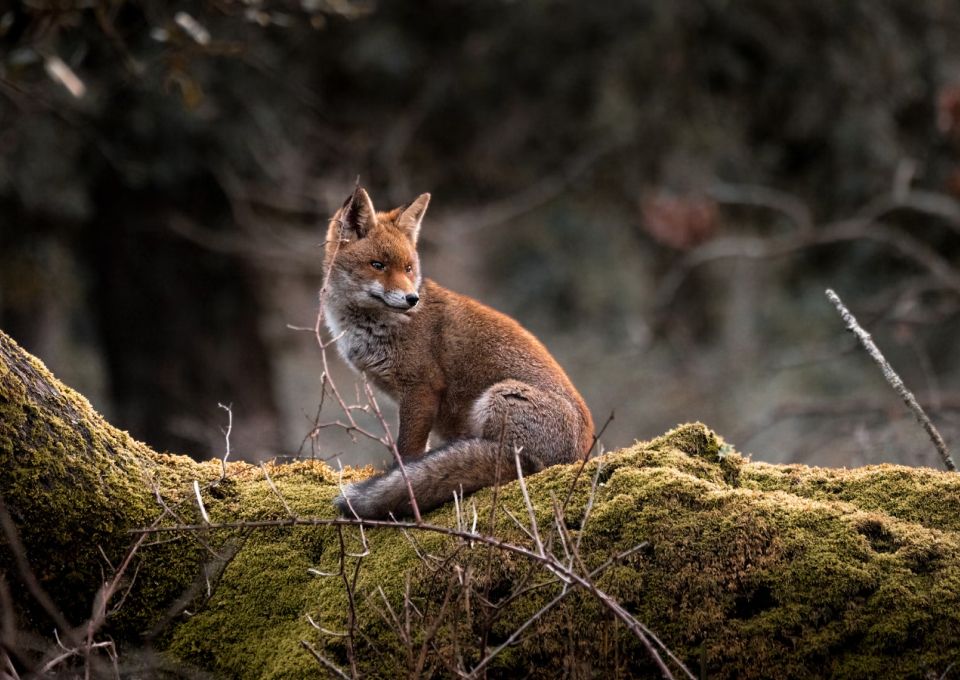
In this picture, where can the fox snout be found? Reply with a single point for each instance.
(398, 299)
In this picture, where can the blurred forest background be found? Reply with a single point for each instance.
(660, 190)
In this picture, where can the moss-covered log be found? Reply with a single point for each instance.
(746, 569)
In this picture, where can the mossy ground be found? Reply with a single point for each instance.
(754, 570)
(759, 570)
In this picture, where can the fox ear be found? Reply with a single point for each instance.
(357, 214)
(411, 217)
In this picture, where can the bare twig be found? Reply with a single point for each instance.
(535, 533)
(324, 661)
(226, 436)
(102, 601)
(893, 379)
(23, 567)
(350, 589)
(68, 653)
(535, 196)
(372, 407)
(203, 510)
(564, 591)
(391, 444)
(586, 459)
(11, 669)
(276, 491)
(431, 631)
(764, 197)
(8, 630)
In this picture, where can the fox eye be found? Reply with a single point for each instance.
(379, 266)
(409, 268)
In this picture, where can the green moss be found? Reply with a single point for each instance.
(269, 590)
(768, 583)
(74, 485)
(920, 495)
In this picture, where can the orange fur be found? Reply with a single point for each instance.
(458, 369)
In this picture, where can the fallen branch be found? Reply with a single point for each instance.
(893, 379)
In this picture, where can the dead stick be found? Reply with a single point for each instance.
(893, 379)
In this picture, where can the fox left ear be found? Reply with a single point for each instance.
(411, 217)
(357, 214)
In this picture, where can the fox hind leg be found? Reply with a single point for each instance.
(545, 426)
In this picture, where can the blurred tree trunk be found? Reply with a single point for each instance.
(176, 321)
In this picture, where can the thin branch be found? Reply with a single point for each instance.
(12, 671)
(351, 426)
(526, 499)
(203, 510)
(844, 231)
(586, 459)
(531, 198)
(275, 490)
(764, 197)
(431, 632)
(590, 500)
(324, 661)
(392, 445)
(226, 436)
(23, 567)
(69, 652)
(564, 591)
(350, 589)
(894, 380)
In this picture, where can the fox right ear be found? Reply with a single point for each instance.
(357, 216)
(411, 217)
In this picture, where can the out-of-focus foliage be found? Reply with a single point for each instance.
(165, 170)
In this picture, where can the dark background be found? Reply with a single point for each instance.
(661, 191)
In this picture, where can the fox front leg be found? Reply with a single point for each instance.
(418, 411)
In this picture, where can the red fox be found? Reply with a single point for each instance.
(458, 369)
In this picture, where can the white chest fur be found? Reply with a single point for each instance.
(367, 341)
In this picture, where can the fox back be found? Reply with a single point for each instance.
(471, 376)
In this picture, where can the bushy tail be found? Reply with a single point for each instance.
(463, 466)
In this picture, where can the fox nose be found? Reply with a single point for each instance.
(413, 299)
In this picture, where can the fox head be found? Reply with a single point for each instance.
(372, 257)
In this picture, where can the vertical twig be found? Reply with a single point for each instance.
(526, 499)
(203, 510)
(276, 491)
(391, 444)
(586, 459)
(226, 436)
(893, 379)
(351, 426)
